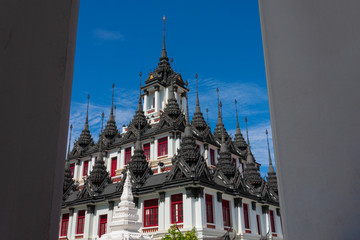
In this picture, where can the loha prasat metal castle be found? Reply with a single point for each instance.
(181, 172)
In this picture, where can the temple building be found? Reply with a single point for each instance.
(181, 171)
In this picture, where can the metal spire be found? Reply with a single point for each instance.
(139, 105)
(187, 132)
(112, 101)
(247, 133)
(102, 122)
(163, 52)
(237, 118)
(207, 116)
(197, 108)
(217, 91)
(271, 168)
(87, 114)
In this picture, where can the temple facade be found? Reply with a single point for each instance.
(182, 172)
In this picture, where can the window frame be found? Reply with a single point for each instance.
(246, 216)
(209, 202)
(72, 168)
(146, 149)
(113, 168)
(272, 221)
(127, 155)
(102, 222)
(226, 212)
(179, 211)
(163, 146)
(212, 157)
(258, 223)
(64, 224)
(85, 168)
(80, 230)
(154, 214)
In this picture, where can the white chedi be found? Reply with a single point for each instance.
(125, 224)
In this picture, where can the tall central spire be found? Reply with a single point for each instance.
(198, 120)
(163, 52)
(111, 129)
(87, 114)
(271, 167)
(197, 108)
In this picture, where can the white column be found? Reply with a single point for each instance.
(145, 104)
(70, 226)
(253, 222)
(219, 221)
(76, 171)
(152, 151)
(157, 100)
(122, 157)
(87, 224)
(171, 146)
(240, 223)
(155, 149)
(200, 217)
(162, 208)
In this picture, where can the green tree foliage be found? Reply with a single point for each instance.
(175, 234)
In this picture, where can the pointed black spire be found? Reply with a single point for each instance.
(225, 163)
(139, 118)
(111, 129)
(138, 165)
(239, 140)
(198, 120)
(247, 133)
(220, 128)
(252, 174)
(271, 179)
(68, 180)
(99, 173)
(188, 150)
(164, 60)
(207, 116)
(85, 137)
(172, 108)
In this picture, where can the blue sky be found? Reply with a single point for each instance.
(221, 42)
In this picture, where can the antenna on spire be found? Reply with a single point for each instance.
(197, 90)
(237, 118)
(207, 116)
(87, 111)
(217, 92)
(187, 112)
(267, 138)
(112, 100)
(115, 110)
(164, 19)
(102, 122)
(140, 74)
(220, 108)
(68, 155)
(247, 133)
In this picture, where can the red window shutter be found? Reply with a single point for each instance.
(246, 215)
(72, 168)
(272, 221)
(127, 155)
(64, 224)
(258, 224)
(198, 146)
(226, 213)
(151, 208)
(162, 146)
(146, 148)
(80, 222)
(113, 166)
(209, 208)
(234, 161)
(212, 157)
(102, 224)
(85, 168)
(177, 208)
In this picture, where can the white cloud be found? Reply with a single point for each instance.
(102, 34)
